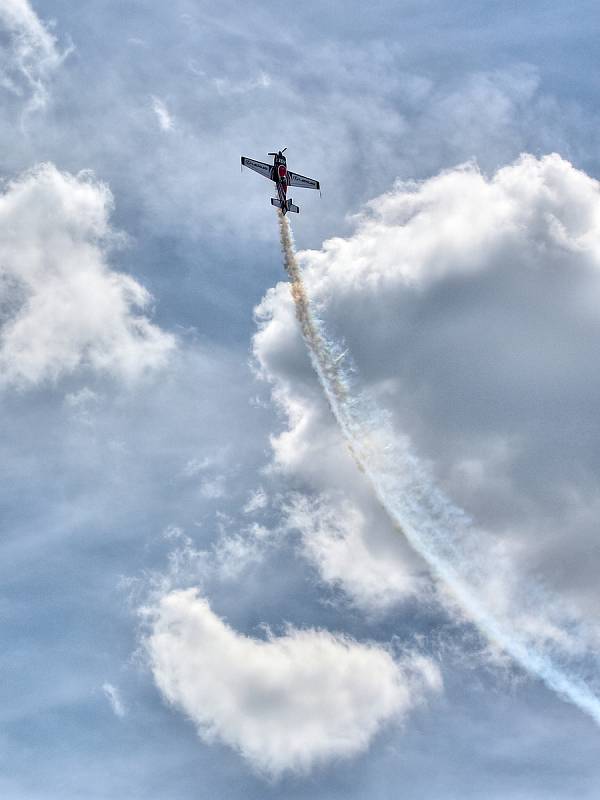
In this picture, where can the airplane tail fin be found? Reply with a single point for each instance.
(287, 206)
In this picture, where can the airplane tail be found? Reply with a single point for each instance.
(288, 206)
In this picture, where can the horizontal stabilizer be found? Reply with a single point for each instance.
(292, 207)
(276, 203)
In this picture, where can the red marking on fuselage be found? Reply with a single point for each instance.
(281, 180)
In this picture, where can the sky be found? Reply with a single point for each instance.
(218, 577)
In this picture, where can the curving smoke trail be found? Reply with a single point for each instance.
(441, 533)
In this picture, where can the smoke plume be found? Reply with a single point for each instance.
(534, 629)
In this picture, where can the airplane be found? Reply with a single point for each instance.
(281, 175)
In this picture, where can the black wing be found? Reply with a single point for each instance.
(258, 166)
(299, 180)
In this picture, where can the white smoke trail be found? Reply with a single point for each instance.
(437, 530)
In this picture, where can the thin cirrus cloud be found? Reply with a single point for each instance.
(286, 703)
(62, 306)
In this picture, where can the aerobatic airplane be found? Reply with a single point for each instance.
(281, 175)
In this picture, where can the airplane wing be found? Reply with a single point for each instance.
(258, 166)
(299, 180)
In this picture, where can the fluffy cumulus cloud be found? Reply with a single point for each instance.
(62, 307)
(286, 703)
(470, 305)
(29, 55)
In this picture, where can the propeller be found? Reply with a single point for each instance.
(280, 153)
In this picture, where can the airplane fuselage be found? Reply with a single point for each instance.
(279, 175)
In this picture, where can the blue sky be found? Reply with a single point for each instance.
(201, 596)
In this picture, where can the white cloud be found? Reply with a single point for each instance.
(336, 536)
(459, 222)
(470, 306)
(285, 703)
(257, 501)
(114, 698)
(62, 308)
(165, 120)
(234, 553)
(30, 57)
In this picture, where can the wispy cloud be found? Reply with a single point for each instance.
(165, 119)
(31, 56)
(114, 698)
(257, 501)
